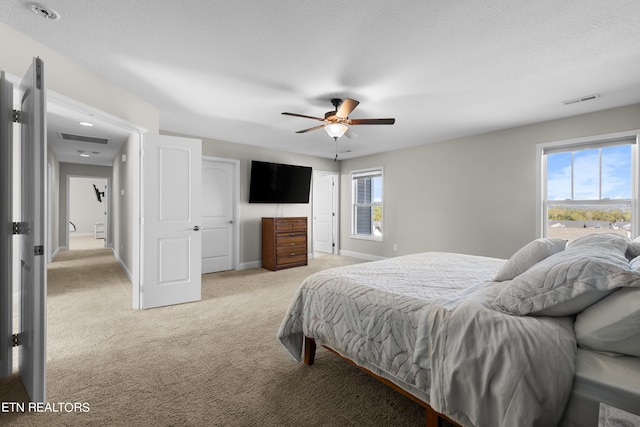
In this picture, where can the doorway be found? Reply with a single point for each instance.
(325, 211)
(220, 231)
(88, 212)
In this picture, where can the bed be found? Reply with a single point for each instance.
(477, 341)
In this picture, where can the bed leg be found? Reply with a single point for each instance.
(309, 350)
(433, 419)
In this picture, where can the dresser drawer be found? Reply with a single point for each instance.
(290, 238)
(292, 249)
(291, 224)
(289, 259)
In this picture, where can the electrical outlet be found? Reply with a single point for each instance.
(395, 247)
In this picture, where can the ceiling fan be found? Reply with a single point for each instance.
(336, 121)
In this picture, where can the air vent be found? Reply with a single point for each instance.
(81, 138)
(583, 99)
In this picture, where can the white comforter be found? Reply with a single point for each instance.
(426, 322)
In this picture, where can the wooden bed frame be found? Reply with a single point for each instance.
(434, 419)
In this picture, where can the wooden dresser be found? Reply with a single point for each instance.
(284, 242)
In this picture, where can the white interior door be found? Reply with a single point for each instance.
(6, 217)
(324, 212)
(218, 215)
(33, 275)
(170, 223)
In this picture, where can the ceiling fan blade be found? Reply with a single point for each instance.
(302, 115)
(371, 121)
(347, 106)
(310, 129)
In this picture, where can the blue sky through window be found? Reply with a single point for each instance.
(616, 174)
(377, 189)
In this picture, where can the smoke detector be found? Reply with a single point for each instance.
(44, 11)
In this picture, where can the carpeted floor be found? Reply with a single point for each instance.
(214, 362)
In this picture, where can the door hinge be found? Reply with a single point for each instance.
(17, 116)
(38, 73)
(19, 228)
(16, 339)
(38, 250)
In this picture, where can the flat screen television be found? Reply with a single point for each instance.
(279, 183)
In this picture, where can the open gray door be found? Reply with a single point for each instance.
(29, 229)
(6, 244)
(33, 274)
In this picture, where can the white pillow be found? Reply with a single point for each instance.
(528, 256)
(633, 249)
(612, 325)
(606, 240)
(568, 282)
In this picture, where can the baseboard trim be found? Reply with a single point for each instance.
(56, 252)
(249, 265)
(359, 255)
(122, 265)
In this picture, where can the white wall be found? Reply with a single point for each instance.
(472, 195)
(124, 207)
(84, 208)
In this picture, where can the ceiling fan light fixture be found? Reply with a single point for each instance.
(336, 130)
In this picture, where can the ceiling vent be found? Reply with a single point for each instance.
(81, 138)
(583, 99)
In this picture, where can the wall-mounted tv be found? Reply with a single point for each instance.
(279, 183)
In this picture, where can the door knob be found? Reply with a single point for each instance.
(230, 221)
(196, 227)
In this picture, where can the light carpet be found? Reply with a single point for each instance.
(214, 362)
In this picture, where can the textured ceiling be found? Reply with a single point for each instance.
(227, 69)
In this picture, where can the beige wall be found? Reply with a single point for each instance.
(250, 214)
(472, 195)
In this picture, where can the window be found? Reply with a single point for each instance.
(589, 187)
(366, 196)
